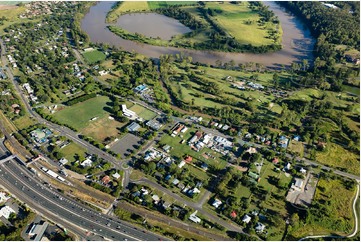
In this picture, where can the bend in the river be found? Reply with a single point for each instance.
(297, 42)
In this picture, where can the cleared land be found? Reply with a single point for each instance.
(93, 56)
(23, 122)
(102, 128)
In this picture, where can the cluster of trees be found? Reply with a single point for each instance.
(80, 99)
(184, 17)
(14, 233)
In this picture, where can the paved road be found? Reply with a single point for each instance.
(196, 206)
(19, 181)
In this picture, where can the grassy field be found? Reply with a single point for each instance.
(24, 122)
(297, 147)
(70, 150)
(12, 16)
(338, 157)
(337, 217)
(142, 112)
(233, 20)
(79, 115)
(163, 4)
(93, 56)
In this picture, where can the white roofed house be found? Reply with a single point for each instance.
(246, 219)
(216, 203)
(194, 218)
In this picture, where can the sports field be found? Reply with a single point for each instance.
(80, 114)
(93, 56)
(142, 112)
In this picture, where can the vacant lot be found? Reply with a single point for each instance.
(336, 156)
(24, 122)
(80, 114)
(102, 128)
(71, 150)
(125, 144)
(93, 56)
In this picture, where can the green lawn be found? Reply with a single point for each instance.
(142, 112)
(79, 115)
(337, 157)
(24, 122)
(162, 4)
(70, 150)
(93, 56)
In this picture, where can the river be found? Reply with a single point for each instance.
(297, 43)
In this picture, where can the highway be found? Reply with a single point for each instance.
(18, 180)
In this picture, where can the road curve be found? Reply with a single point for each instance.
(356, 222)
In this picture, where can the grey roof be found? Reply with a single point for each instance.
(133, 126)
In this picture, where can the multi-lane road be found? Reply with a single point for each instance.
(15, 177)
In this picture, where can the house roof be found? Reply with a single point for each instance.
(133, 126)
(233, 214)
(188, 158)
(106, 179)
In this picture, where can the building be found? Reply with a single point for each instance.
(37, 230)
(216, 203)
(195, 137)
(283, 142)
(233, 214)
(128, 113)
(167, 148)
(141, 89)
(260, 227)
(86, 163)
(6, 211)
(297, 185)
(246, 219)
(133, 127)
(116, 175)
(194, 218)
(181, 164)
(63, 161)
(154, 124)
(105, 180)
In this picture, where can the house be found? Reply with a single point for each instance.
(193, 191)
(175, 181)
(167, 148)
(207, 138)
(204, 166)
(63, 161)
(283, 142)
(105, 180)
(297, 185)
(287, 167)
(188, 159)
(166, 205)
(155, 198)
(168, 177)
(181, 186)
(233, 214)
(116, 175)
(141, 89)
(37, 230)
(303, 171)
(6, 211)
(144, 191)
(194, 218)
(86, 163)
(195, 137)
(296, 138)
(251, 150)
(181, 164)
(184, 130)
(216, 203)
(154, 124)
(260, 227)
(246, 219)
(275, 160)
(133, 127)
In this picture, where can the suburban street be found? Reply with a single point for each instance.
(17, 179)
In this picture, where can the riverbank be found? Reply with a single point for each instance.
(293, 32)
(227, 27)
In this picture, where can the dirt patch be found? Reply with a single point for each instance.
(7, 7)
